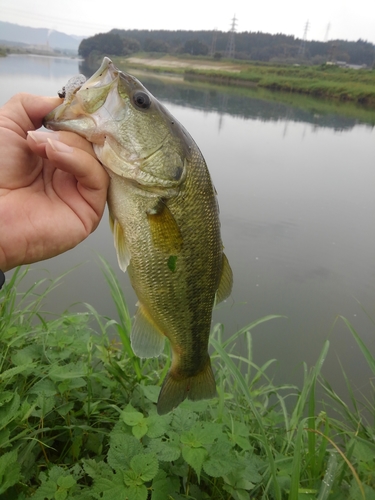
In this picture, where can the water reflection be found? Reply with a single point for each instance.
(297, 207)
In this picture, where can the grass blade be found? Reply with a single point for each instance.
(250, 327)
(125, 325)
(297, 460)
(329, 477)
(367, 354)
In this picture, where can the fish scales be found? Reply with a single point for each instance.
(154, 283)
(165, 219)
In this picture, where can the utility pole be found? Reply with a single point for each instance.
(231, 50)
(302, 47)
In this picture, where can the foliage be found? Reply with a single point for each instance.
(108, 43)
(78, 418)
(195, 47)
(152, 45)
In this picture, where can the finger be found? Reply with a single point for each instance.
(92, 178)
(38, 140)
(27, 110)
(37, 107)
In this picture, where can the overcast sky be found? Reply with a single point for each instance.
(328, 19)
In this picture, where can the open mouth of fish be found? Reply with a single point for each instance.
(87, 104)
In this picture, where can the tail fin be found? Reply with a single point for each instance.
(175, 390)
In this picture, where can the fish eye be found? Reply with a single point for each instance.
(141, 100)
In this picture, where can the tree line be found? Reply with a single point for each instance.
(248, 45)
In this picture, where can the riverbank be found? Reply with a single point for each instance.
(327, 81)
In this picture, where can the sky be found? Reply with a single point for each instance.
(325, 19)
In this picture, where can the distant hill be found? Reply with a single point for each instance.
(15, 34)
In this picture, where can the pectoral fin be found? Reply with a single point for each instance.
(147, 341)
(166, 235)
(226, 281)
(123, 254)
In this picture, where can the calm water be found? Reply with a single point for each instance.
(296, 192)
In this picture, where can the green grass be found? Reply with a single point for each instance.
(330, 82)
(78, 417)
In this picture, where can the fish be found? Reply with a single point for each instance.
(164, 216)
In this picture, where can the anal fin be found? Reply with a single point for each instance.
(147, 340)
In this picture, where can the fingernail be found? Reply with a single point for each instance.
(40, 137)
(60, 147)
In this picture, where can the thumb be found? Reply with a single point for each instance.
(28, 110)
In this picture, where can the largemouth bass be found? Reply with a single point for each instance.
(165, 220)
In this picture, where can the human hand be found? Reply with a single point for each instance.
(52, 188)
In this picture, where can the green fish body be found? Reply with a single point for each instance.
(165, 220)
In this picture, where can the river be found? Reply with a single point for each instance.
(296, 190)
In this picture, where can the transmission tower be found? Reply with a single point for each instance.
(231, 49)
(302, 47)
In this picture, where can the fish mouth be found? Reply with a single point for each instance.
(107, 73)
(81, 104)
